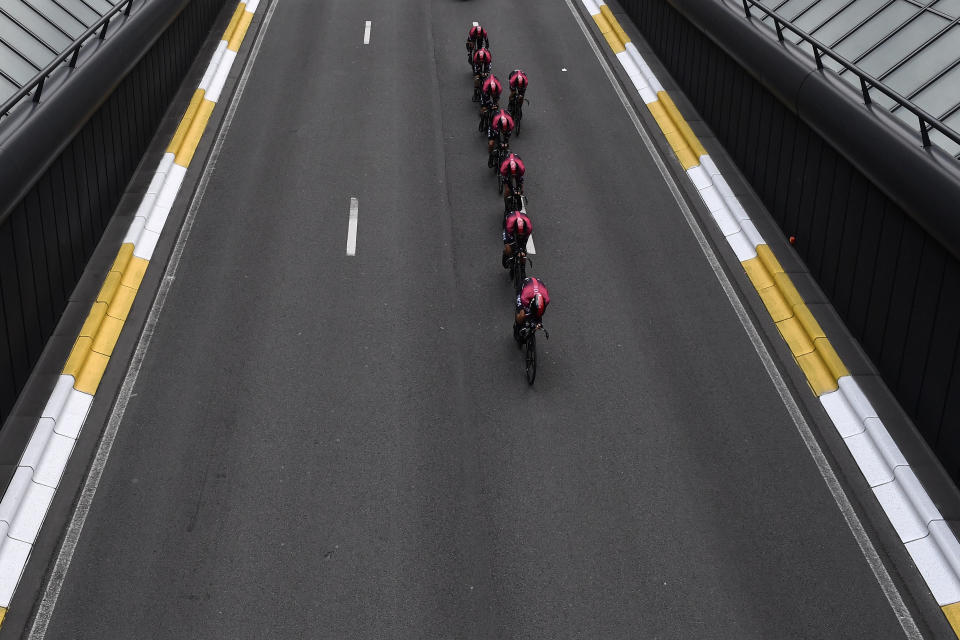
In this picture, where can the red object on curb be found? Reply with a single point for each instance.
(793, 239)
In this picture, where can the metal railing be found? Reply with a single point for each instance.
(35, 85)
(867, 82)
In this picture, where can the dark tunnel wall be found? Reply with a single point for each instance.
(881, 259)
(49, 234)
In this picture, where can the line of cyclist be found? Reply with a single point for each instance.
(499, 124)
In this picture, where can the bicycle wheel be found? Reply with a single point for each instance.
(531, 358)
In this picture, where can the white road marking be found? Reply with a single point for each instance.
(900, 610)
(563, 69)
(531, 248)
(51, 593)
(352, 227)
(366, 33)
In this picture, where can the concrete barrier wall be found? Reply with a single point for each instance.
(874, 214)
(65, 163)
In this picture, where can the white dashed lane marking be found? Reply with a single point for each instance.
(366, 32)
(352, 227)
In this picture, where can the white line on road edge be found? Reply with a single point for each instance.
(823, 466)
(352, 227)
(59, 573)
(366, 33)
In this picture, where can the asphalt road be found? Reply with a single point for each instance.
(331, 446)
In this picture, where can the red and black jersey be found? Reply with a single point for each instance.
(518, 81)
(512, 166)
(533, 289)
(482, 60)
(478, 36)
(502, 123)
(516, 225)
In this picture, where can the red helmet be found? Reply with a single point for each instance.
(523, 225)
(503, 121)
(512, 165)
(478, 31)
(492, 86)
(482, 55)
(518, 79)
(537, 305)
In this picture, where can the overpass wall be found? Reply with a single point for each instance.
(876, 217)
(64, 165)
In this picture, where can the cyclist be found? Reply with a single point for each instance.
(513, 168)
(489, 98)
(518, 84)
(532, 302)
(476, 39)
(517, 228)
(498, 133)
(482, 62)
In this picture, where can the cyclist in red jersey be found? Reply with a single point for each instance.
(511, 172)
(499, 132)
(489, 97)
(532, 302)
(517, 228)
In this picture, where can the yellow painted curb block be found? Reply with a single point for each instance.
(615, 25)
(240, 32)
(234, 20)
(608, 33)
(830, 358)
(185, 121)
(91, 352)
(757, 273)
(3, 614)
(674, 138)
(797, 339)
(800, 330)
(676, 130)
(194, 132)
(683, 127)
(819, 378)
(952, 611)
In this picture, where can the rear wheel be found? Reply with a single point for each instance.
(531, 357)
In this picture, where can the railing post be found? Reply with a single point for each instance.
(924, 132)
(73, 58)
(103, 32)
(776, 21)
(865, 90)
(126, 11)
(38, 90)
(746, 8)
(818, 56)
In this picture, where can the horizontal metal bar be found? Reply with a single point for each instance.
(867, 81)
(99, 25)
